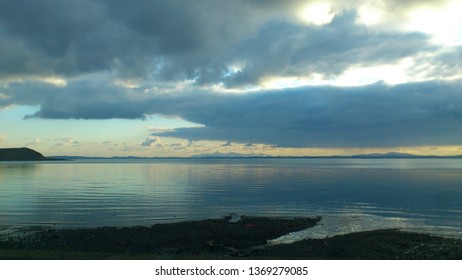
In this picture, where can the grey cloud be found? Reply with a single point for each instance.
(18, 60)
(284, 49)
(149, 142)
(426, 113)
(82, 36)
(371, 116)
(442, 65)
(30, 93)
(47, 31)
(50, 25)
(177, 40)
(156, 41)
(78, 100)
(227, 144)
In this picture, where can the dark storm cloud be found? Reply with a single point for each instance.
(80, 100)
(427, 113)
(92, 43)
(177, 40)
(370, 116)
(296, 50)
(171, 39)
(47, 33)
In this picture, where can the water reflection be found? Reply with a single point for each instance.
(399, 193)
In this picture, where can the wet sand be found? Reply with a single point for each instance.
(232, 237)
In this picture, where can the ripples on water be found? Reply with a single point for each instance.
(351, 194)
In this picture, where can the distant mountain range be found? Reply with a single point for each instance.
(398, 155)
(386, 155)
(365, 156)
(228, 155)
(26, 154)
(239, 155)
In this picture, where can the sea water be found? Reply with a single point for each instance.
(350, 194)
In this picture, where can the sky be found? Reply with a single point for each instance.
(178, 78)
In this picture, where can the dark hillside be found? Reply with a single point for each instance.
(17, 154)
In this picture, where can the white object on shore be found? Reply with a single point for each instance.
(234, 218)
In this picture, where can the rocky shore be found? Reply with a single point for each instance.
(232, 237)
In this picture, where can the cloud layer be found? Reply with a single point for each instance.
(425, 113)
(197, 60)
(210, 42)
(371, 116)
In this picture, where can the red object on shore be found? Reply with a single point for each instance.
(250, 225)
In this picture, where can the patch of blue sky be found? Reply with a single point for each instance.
(19, 129)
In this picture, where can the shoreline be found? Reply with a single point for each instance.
(230, 237)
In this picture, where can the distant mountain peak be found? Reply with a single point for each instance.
(227, 155)
(387, 155)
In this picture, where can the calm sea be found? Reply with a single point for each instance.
(351, 194)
